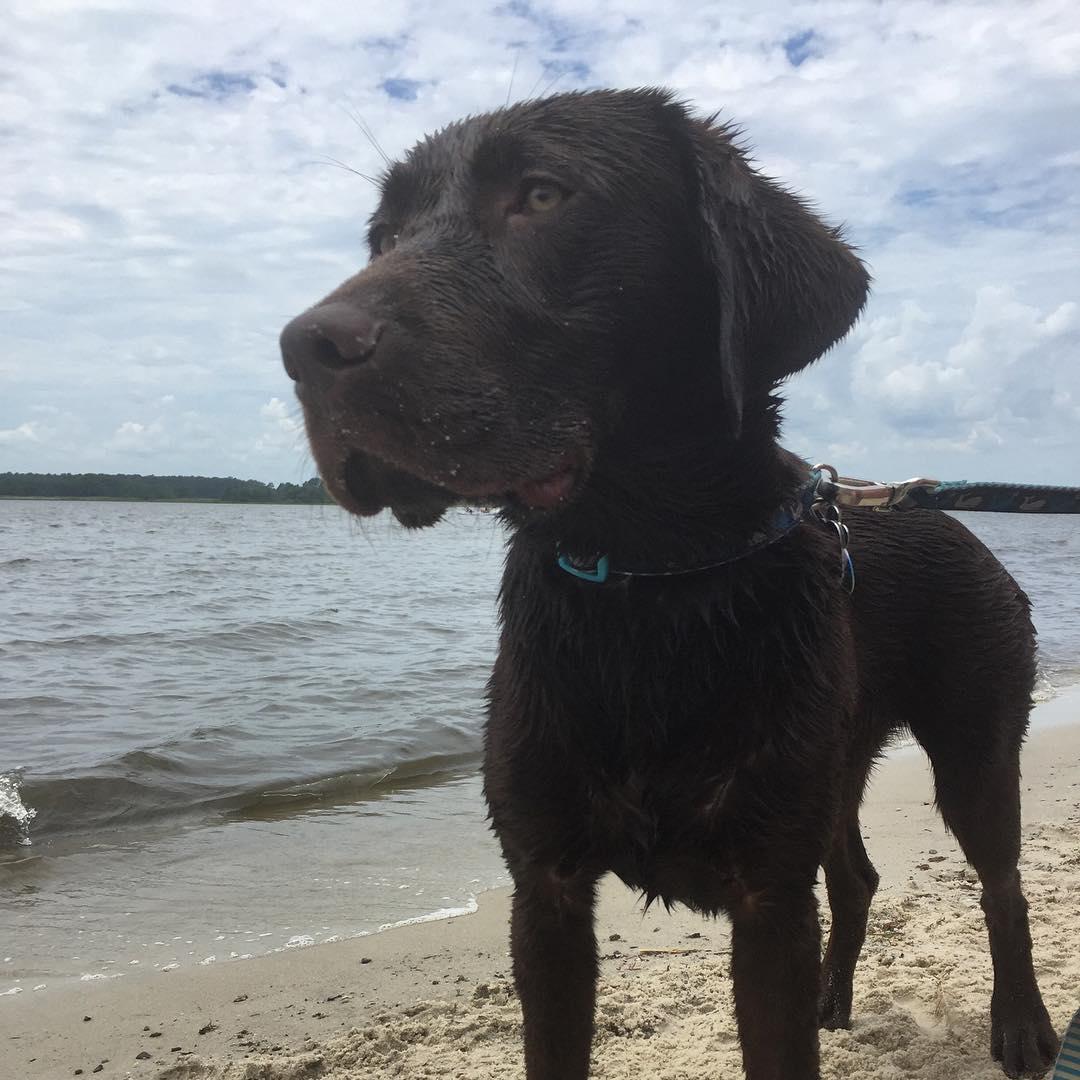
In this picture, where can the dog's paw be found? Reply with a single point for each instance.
(834, 1012)
(1025, 1044)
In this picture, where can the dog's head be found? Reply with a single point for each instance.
(546, 279)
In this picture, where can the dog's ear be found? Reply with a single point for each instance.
(787, 285)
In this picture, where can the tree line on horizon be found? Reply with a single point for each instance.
(157, 488)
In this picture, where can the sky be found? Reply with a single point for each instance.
(172, 192)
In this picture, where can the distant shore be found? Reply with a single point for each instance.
(436, 999)
(136, 499)
(134, 487)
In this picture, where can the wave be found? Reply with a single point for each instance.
(15, 815)
(145, 787)
(1056, 676)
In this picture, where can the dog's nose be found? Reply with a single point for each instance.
(334, 335)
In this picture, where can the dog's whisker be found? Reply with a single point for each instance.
(554, 82)
(335, 163)
(368, 134)
(539, 80)
(513, 72)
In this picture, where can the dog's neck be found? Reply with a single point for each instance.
(680, 506)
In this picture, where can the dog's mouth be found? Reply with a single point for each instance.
(367, 485)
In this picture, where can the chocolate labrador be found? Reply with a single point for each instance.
(580, 309)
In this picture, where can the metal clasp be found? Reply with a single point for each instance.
(825, 509)
(843, 491)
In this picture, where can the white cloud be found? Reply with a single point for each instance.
(282, 427)
(138, 438)
(276, 409)
(28, 432)
(163, 211)
(1005, 372)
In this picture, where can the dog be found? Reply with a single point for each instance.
(579, 309)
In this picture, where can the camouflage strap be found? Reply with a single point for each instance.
(949, 495)
(998, 498)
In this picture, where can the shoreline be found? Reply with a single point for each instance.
(165, 947)
(455, 971)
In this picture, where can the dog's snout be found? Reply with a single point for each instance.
(334, 335)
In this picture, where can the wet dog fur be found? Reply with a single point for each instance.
(579, 309)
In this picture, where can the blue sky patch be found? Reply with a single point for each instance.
(402, 89)
(918, 196)
(384, 45)
(560, 32)
(801, 46)
(569, 72)
(217, 85)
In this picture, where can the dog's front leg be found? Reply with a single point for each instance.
(554, 951)
(775, 964)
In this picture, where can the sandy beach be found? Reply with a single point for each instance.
(436, 1000)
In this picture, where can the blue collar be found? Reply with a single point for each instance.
(597, 568)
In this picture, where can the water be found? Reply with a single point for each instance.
(240, 727)
(232, 729)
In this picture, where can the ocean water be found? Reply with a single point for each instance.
(226, 730)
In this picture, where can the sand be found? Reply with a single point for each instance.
(435, 1000)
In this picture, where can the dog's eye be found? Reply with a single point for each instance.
(542, 196)
(385, 241)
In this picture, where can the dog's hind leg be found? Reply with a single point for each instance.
(553, 945)
(851, 881)
(978, 794)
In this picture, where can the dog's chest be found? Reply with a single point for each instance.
(666, 833)
(660, 741)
